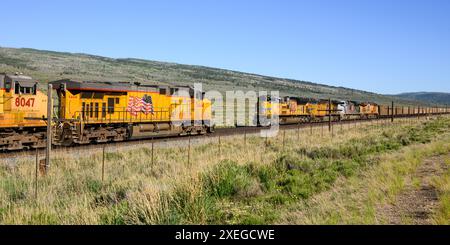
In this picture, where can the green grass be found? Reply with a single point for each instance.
(442, 184)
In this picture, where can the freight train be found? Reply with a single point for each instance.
(98, 112)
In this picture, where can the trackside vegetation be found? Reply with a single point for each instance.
(259, 182)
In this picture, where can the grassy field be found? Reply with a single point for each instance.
(442, 184)
(50, 66)
(299, 177)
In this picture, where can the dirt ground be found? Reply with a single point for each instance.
(416, 204)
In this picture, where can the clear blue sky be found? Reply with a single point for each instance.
(385, 46)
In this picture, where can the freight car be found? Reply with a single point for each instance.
(103, 111)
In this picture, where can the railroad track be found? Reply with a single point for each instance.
(173, 140)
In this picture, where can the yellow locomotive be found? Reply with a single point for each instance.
(296, 110)
(321, 109)
(22, 110)
(368, 110)
(103, 111)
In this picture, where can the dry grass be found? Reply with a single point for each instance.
(442, 184)
(137, 192)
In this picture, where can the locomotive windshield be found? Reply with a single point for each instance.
(21, 87)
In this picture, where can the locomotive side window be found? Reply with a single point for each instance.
(8, 86)
(110, 105)
(103, 109)
(96, 110)
(83, 110)
(91, 113)
(16, 88)
(87, 95)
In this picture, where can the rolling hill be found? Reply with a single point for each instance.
(428, 97)
(48, 66)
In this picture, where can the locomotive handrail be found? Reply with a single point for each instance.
(124, 116)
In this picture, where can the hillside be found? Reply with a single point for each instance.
(428, 97)
(48, 66)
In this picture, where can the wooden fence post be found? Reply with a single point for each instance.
(220, 148)
(36, 175)
(332, 131)
(392, 114)
(153, 150)
(418, 113)
(329, 115)
(103, 163)
(267, 141)
(49, 126)
(189, 151)
(245, 138)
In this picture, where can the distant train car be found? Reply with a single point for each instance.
(319, 110)
(267, 108)
(402, 111)
(102, 112)
(368, 110)
(312, 108)
(22, 110)
(293, 110)
(384, 111)
(349, 110)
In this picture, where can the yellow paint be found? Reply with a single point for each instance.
(19, 110)
(270, 108)
(317, 109)
(2, 92)
(165, 108)
(368, 109)
(291, 108)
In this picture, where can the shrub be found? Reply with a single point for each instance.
(16, 189)
(115, 215)
(227, 179)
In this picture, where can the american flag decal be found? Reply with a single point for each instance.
(136, 105)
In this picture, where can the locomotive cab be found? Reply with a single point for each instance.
(22, 109)
(21, 104)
